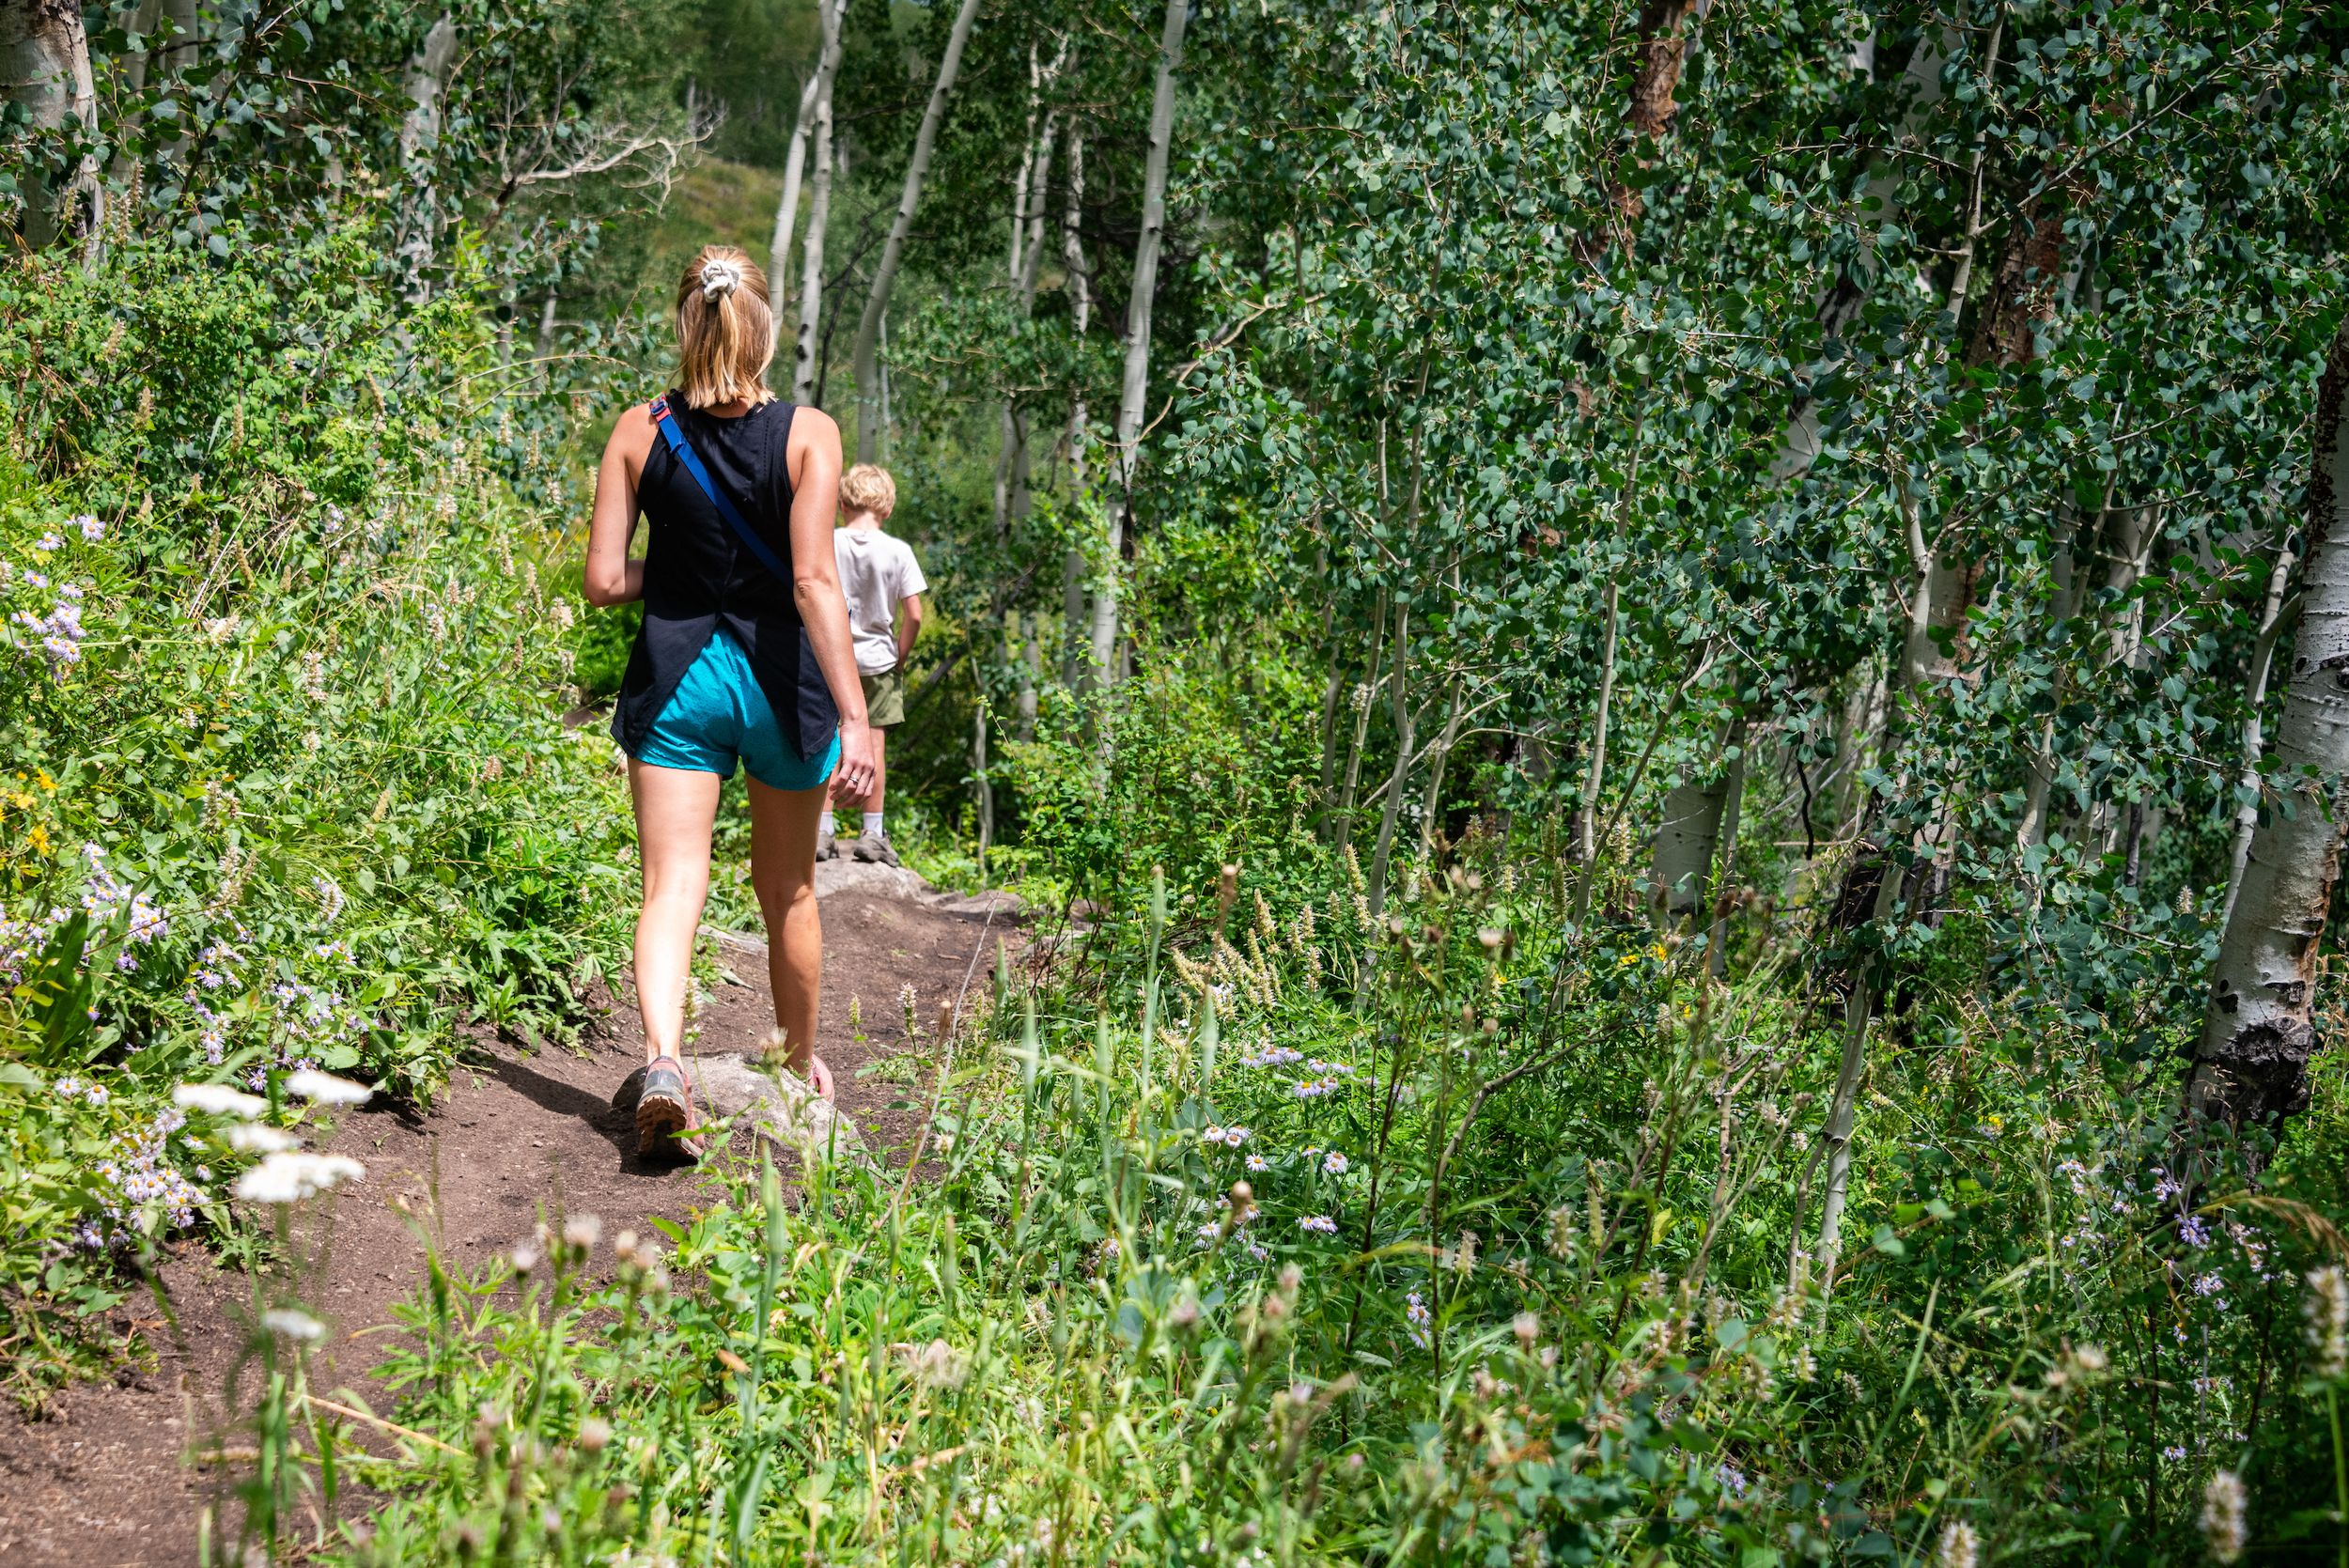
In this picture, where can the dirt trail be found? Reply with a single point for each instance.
(102, 1480)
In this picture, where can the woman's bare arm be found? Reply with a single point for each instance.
(612, 578)
(815, 458)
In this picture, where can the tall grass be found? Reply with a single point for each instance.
(1283, 1236)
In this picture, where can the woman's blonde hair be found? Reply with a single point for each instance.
(726, 334)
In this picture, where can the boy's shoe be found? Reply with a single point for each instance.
(828, 848)
(875, 847)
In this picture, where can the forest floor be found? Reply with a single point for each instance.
(116, 1475)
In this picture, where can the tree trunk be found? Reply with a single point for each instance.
(2131, 536)
(45, 72)
(1587, 846)
(892, 249)
(1026, 234)
(173, 61)
(1080, 476)
(2251, 1064)
(1879, 204)
(419, 227)
(1437, 760)
(144, 22)
(1725, 882)
(803, 366)
(1684, 846)
(1662, 53)
(1031, 673)
(1403, 738)
(1146, 282)
(1343, 819)
(2247, 813)
(985, 789)
(787, 209)
(1938, 599)
(2067, 603)
(1330, 693)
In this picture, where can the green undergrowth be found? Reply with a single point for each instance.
(284, 782)
(1285, 1234)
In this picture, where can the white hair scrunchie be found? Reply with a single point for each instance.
(720, 278)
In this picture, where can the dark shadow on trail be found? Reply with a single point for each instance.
(616, 1127)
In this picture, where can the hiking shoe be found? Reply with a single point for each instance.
(828, 849)
(874, 847)
(665, 1123)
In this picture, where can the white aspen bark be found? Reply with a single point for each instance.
(2033, 831)
(1343, 819)
(1437, 760)
(888, 415)
(1586, 846)
(1879, 204)
(146, 19)
(1080, 474)
(45, 71)
(1403, 739)
(1940, 597)
(2132, 537)
(1859, 1013)
(1329, 696)
(175, 58)
(1684, 846)
(1137, 378)
(2251, 1063)
(818, 207)
(1724, 889)
(2246, 816)
(1024, 280)
(144, 22)
(179, 53)
(787, 209)
(1013, 436)
(892, 249)
(419, 227)
(978, 776)
(1031, 673)
(1020, 272)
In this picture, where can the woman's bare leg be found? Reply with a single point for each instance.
(783, 872)
(675, 810)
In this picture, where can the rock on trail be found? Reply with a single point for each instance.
(102, 1480)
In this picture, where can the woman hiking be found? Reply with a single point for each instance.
(744, 653)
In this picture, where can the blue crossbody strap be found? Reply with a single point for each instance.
(683, 451)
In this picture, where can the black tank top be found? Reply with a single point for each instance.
(699, 577)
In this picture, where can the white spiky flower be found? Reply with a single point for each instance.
(218, 1099)
(251, 1138)
(291, 1322)
(1960, 1546)
(2326, 1310)
(325, 1088)
(2225, 1510)
(288, 1177)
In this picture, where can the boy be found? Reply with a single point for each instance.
(878, 575)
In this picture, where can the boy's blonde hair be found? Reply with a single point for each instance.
(725, 335)
(868, 488)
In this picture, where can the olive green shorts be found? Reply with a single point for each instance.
(885, 699)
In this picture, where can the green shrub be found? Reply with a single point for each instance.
(280, 693)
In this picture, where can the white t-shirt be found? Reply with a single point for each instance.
(877, 572)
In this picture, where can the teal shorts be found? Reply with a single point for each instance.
(718, 714)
